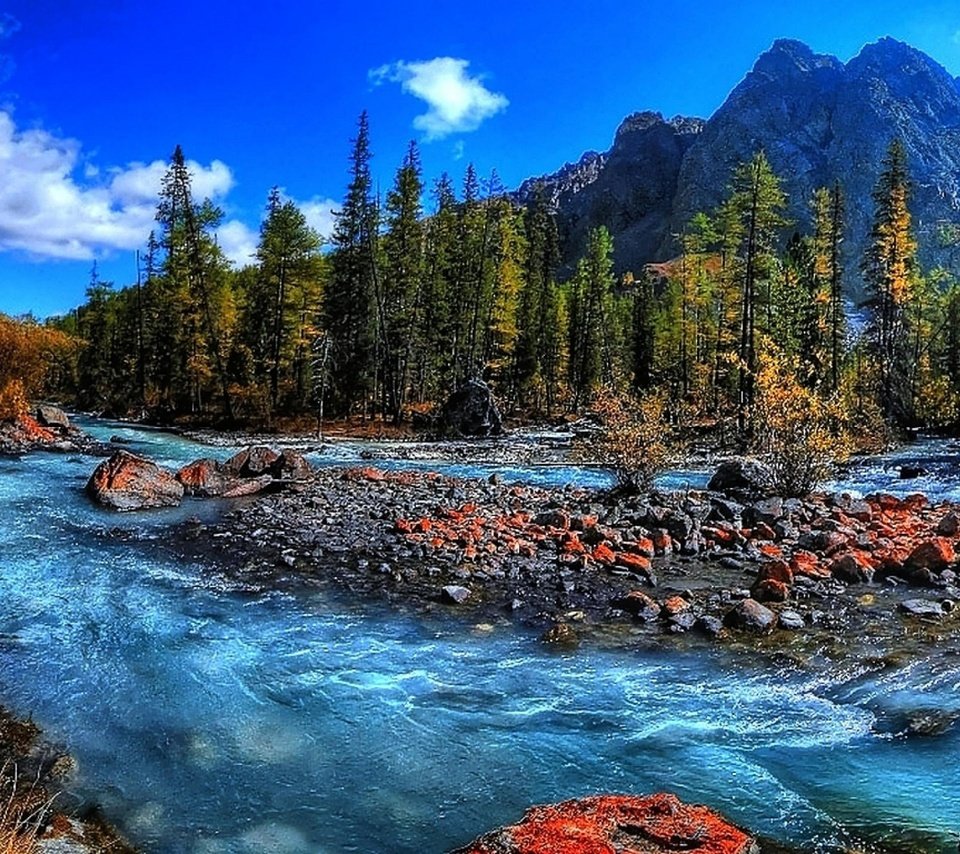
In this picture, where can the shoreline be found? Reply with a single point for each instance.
(34, 774)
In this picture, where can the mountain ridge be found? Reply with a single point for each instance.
(817, 118)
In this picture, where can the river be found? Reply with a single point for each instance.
(207, 717)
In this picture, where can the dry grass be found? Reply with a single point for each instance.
(24, 807)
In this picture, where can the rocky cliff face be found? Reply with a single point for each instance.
(818, 120)
(630, 189)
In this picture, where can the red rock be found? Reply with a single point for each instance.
(776, 570)
(852, 567)
(770, 590)
(808, 564)
(616, 824)
(639, 604)
(722, 535)
(403, 526)
(604, 554)
(762, 531)
(675, 605)
(644, 547)
(632, 561)
(936, 554)
(662, 543)
(205, 478)
(128, 482)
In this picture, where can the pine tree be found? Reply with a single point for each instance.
(760, 203)
(404, 273)
(288, 292)
(350, 303)
(592, 337)
(890, 272)
(829, 225)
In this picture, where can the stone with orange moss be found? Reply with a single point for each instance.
(130, 482)
(617, 824)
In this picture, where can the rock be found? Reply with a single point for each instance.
(909, 472)
(949, 525)
(53, 417)
(675, 605)
(639, 604)
(741, 477)
(767, 512)
(749, 615)
(129, 482)
(852, 568)
(205, 478)
(791, 620)
(921, 608)
(616, 823)
(930, 722)
(556, 519)
(935, 555)
(561, 634)
(471, 411)
(710, 626)
(770, 590)
(291, 465)
(252, 462)
(454, 594)
(248, 486)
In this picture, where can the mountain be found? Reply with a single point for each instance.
(818, 120)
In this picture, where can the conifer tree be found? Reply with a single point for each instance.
(350, 303)
(890, 270)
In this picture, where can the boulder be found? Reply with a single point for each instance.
(252, 462)
(652, 824)
(471, 411)
(749, 615)
(205, 478)
(130, 482)
(249, 486)
(455, 594)
(935, 555)
(291, 465)
(639, 604)
(53, 417)
(921, 608)
(742, 478)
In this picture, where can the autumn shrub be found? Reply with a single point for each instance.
(799, 434)
(634, 439)
(27, 352)
(23, 809)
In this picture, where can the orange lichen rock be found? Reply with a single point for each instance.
(617, 824)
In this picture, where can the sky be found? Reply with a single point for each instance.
(95, 95)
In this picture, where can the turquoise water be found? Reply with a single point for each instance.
(211, 718)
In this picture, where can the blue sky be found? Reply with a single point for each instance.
(95, 94)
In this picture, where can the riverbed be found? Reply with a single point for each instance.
(209, 716)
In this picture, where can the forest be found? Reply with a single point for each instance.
(423, 289)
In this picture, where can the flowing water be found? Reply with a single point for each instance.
(206, 717)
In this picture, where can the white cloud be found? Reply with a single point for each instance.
(319, 214)
(458, 149)
(238, 242)
(46, 212)
(457, 102)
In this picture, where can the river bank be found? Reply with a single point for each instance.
(260, 674)
(34, 814)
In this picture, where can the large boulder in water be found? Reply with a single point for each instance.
(206, 478)
(53, 417)
(743, 478)
(129, 482)
(652, 824)
(254, 461)
(471, 411)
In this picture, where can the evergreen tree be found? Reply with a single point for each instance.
(350, 303)
(890, 272)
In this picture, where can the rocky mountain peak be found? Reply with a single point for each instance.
(819, 120)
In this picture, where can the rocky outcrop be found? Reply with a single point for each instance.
(471, 412)
(630, 189)
(250, 471)
(617, 823)
(818, 120)
(742, 478)
(130, 482)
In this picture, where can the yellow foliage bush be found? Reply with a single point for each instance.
(27, 351)
(635, 437)
(799, 434)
